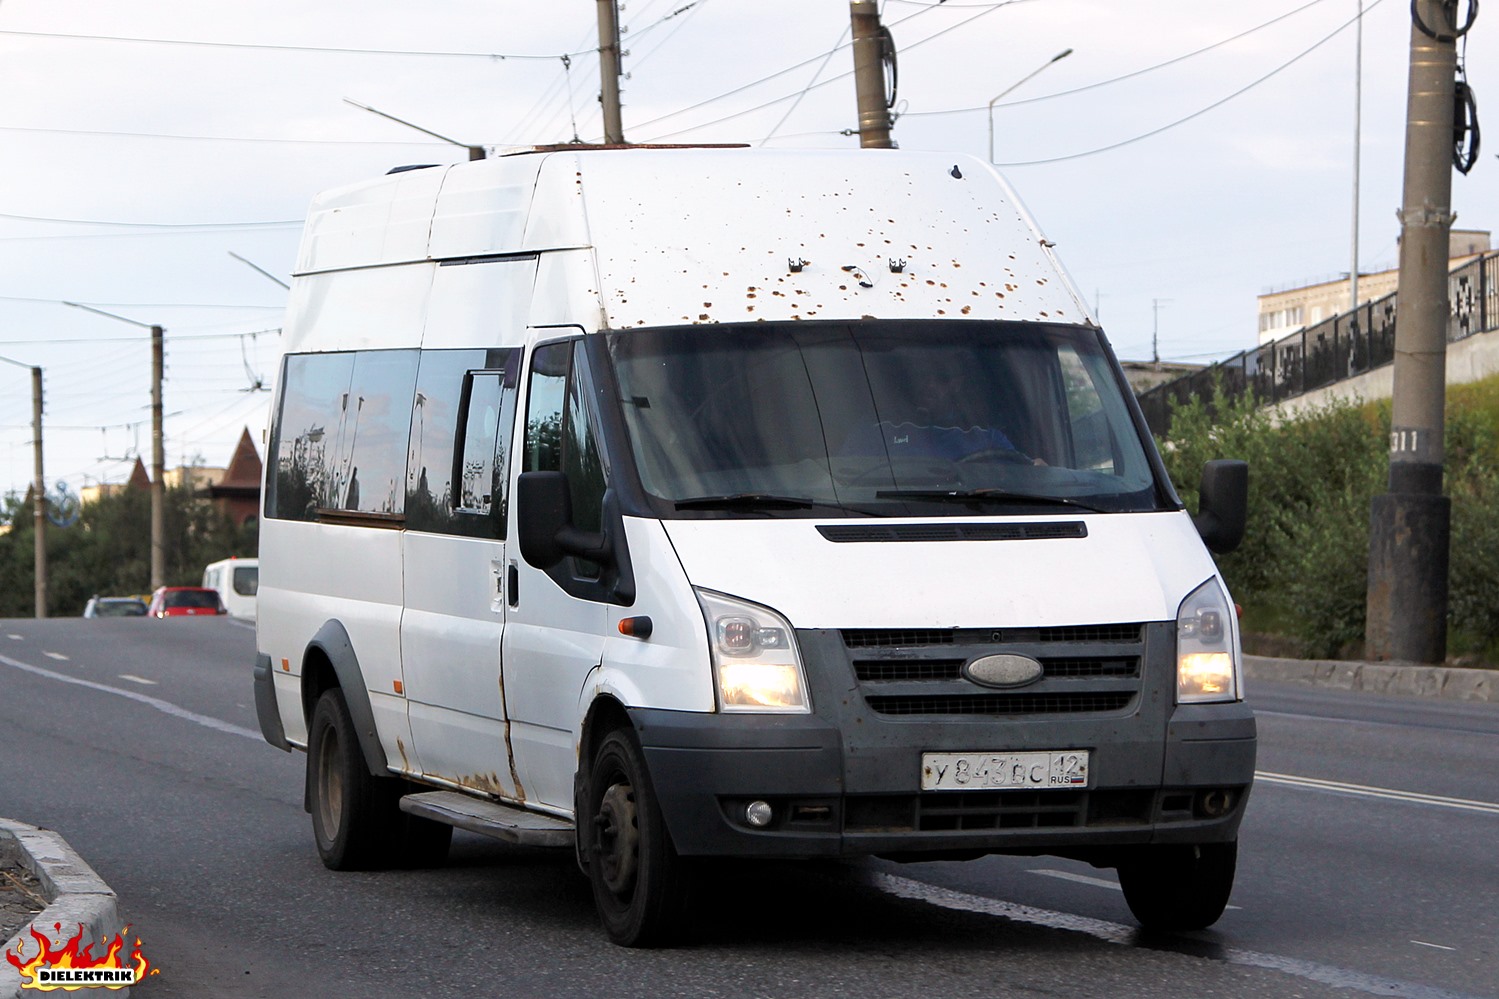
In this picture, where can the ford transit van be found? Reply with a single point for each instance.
(667, 503)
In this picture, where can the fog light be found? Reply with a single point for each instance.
(1215, 804)
(758, 814)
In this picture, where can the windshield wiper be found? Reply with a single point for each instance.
(747, 501)
(982, 496)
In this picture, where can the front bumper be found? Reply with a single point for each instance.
(845, 781)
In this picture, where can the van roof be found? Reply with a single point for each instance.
(683, 235)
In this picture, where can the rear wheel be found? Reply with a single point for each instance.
(640, 885)
(1182, 887)
(356, 817)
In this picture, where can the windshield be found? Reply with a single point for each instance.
(879, 419)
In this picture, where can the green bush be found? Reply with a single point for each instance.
(1302, 570)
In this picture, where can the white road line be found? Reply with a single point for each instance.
(1364, 791)
(16, 638)
(166, 707)
(137, 679)
(1084, 879)
(56, 655)
(1423, 943)
(1081, 879)
(1116, 933)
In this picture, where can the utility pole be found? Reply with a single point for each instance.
(609, 72)
(39, 505)
(1155, 329)
(158, 448)
(38, 488)
(1410, 524)
(1358, 123)
(870, 47)
(158, 467)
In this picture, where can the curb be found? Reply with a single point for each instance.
(1450, 683)
(77, 894)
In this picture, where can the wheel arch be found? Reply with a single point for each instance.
(329, 661)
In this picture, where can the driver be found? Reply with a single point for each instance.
(933, 422)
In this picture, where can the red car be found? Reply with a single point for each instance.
(184, 601)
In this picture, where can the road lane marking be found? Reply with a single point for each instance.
(16, 638)
(1081, 879)
(166, 707)
(56, 655)
(1364, 791)
(1423, 943)
(1084, 879)
(1130, 936)
(137, 679)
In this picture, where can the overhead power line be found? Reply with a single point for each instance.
(153, 225)
(289, 48)
(1202, 111)
(815, 86)
(1130, 75)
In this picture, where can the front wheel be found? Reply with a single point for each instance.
(640, 885)
(1179, 887)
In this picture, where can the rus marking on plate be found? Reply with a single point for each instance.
(1004, 771)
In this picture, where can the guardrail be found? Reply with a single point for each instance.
(1335, 349)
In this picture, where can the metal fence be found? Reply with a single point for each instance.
(1333, 350)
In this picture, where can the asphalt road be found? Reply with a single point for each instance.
(1367, 864)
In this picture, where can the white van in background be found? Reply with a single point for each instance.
(237, 580)
(670, 503)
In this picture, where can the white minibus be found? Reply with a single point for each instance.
(663, 504)
(236, 579)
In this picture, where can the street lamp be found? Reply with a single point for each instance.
(1059, 56)
(39, 487)
(158, 450)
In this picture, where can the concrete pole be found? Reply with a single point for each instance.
(609, 70)
(39, 506)
(1358, 127)
(1410, 524)
(869, 75)
(158, 467)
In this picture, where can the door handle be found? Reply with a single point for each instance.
(512, 584)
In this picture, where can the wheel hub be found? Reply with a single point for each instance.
(617, 838)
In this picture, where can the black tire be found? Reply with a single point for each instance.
(1179, 887)
(355, 818)
(640, 885)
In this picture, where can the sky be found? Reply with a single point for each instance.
(1185, 157)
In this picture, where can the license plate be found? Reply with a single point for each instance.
(1004, 771)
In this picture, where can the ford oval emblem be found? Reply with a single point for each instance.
(1004, 671)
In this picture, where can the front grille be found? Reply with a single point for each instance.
(920, 671)
(953, 811)
(881, 638)
(952, 669)
(1000, 704)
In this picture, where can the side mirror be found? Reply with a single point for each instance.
(1223, 504)
(544, 515)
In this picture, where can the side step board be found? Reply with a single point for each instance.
(513, 825)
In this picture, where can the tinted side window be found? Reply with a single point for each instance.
(304, 450)
(374, 433)
(430, 495)
(342, 433)
(457, 473)
(560, 436)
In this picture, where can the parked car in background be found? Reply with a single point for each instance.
(185, 601)
(115, 607)
(237, 580)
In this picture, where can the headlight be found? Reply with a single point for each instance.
(1207, 647)
(755, 663)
